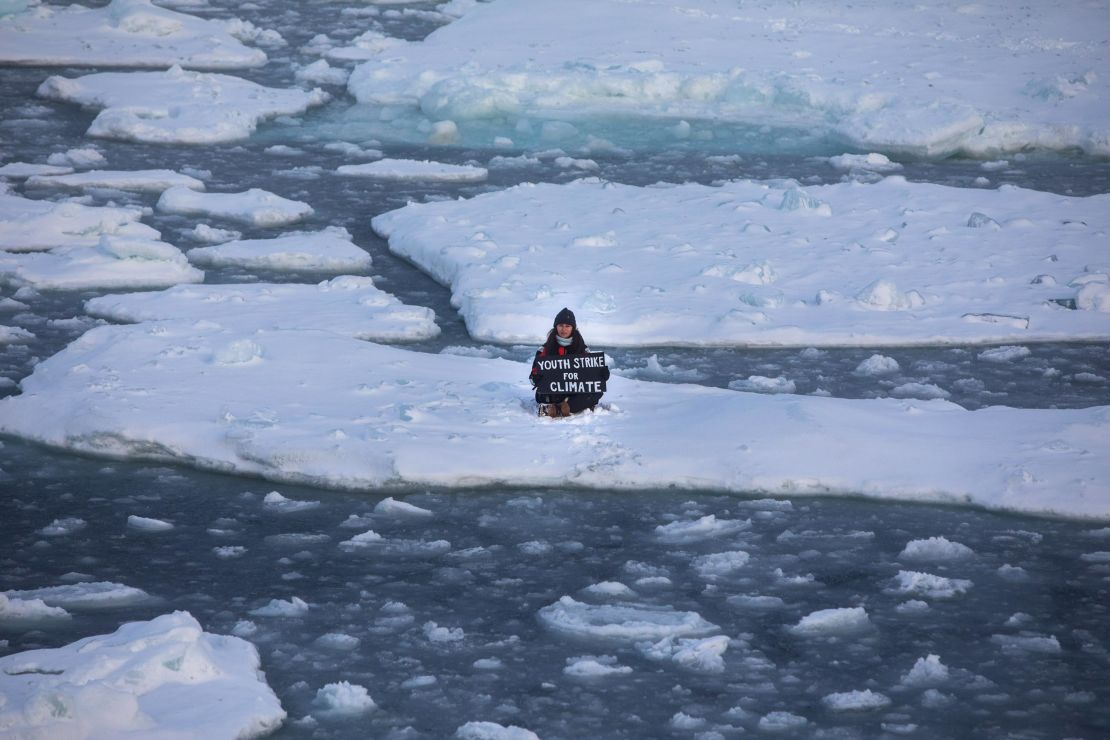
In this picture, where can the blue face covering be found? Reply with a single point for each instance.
(564, 342)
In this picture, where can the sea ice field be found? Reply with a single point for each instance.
(272, 274)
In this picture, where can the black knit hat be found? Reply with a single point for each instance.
(566, 316)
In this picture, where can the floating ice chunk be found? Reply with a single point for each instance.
(391, 507)
(927, 671)
(923, 391)
(338, 641)
(166, 677)
(609, 590)
(229, 551)
(1004, 354)
(411, 169)
(1027, 643)
(63, 526)
(142, 181)
(279, 504)
(83, 157)
(699, 655)
(322, 73)
(935, 549)
(488, 664)
(707, 527)
(126, 33)
(294, 607)
(621, 623)
(85, 595)
(19, 170)
(208, 235)
(493, 731)
(912, 607)
(16, 613)
(719, 564)
(176, 106)
(876, 365)
(833, 622)
(435, 633)
(756, 602)
(1095, 557)
(367, 45)
(781, 722)
(343, 699)
(1013, 573)
(419, 682)
(763, 384)
(14, 335)
(146, 524)
(595, 666)
(929, 585)
(348, 305)
(654, 370)
(253, 207)
(873, 162)
(856, 701)
(28, 225)
(373, 544)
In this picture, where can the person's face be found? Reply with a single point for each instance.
(564, 330)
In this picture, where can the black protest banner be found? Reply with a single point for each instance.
(572, 375)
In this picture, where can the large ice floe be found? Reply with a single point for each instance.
(162, 678)
(928, 79)
(347, 305)
(143, 181)
(330, 250)
(127, 33)
(768, 262)
(176, 105)
(277, 404)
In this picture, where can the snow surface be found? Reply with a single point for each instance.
(125, 33)
(346, 305)
(176, 105)
(253, 207)
(330, 250)
(162, 678)
(143, 181)
(764, 262)
(276, 404)
(926, 79)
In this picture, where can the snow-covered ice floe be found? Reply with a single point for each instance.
(768, 262)
(162, 678)
(277, 404)
(253, 207)
(330, 250)
(177, 106)
(143, 181)
(116, 262)
(347, 305)
(125, 33)
(412, 169)
(88, 595)
(958, 77)
(28, 225)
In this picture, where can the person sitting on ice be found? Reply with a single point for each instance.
(564, 340)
